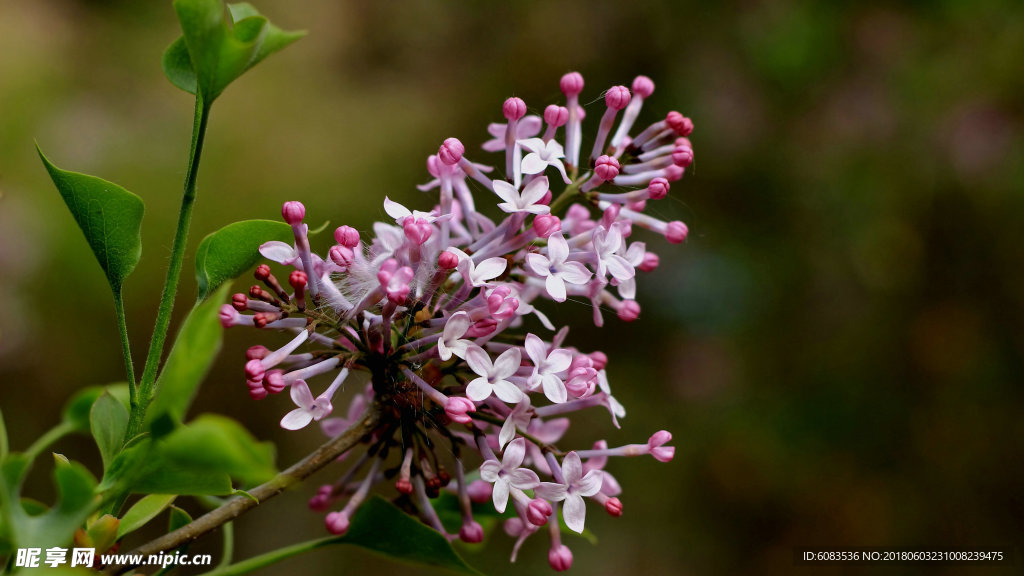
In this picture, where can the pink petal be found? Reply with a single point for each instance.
(507, 364)
(508, 392)
(332, 427)
(558, 249)
(538, 264)
(479, 361)
(514, 454)
(575, 273)
(479, 390)
(572, 468)
(558, 360)
(301, 395)
(554, 389)
(489, 470)
(550, 491)
(500, 494)
(590, 484)
(620, 268)
(523, 478)
(536, 349)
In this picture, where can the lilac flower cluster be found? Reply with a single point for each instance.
(434, 308)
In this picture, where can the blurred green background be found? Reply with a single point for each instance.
(837, 348)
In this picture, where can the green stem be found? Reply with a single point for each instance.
(163, 317)
(272, 557)
(126, 349)
(228, 550)
(567, 197)
(51, 436)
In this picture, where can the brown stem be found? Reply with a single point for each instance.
(234, 508)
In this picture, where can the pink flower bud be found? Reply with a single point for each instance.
(346, 236)
(273, 381)
(457, 408)
(613, 506)
(240, 302)
(606, 168)
(337, 523)
(546, 224)
(658, 188)
(434, 166)
(637, 206)
(471, 532)
(254, 370)
(643, 86)
(341, 255)
(560, 558)
(514, 108)
(537, 511)
(581, 361)
(262, 272)
(298, 279)
(447, 260)
(571, 83)
(481, 328)
(417, 230)
(676, 232)
(674, 173)
(545, 199)
(650, 262)
(228, 316)
(682, 156)
(599, 359)
(256, 390)
(617, 98)
(656, 445)
(479, 491)
(318, 503)
(629, 311)
(682, 125)
(293, 212)
(451, 151)
(257, 352)
(403, 485)
(556, 115)
(682, 141)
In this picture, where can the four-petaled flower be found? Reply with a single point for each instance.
(547, 365)
(309, 409)
(575, 486)
(555, 269)
(479, 274)
(528, 201)
(507, 475)
(400, 213)
(493, 377)
(543, 155)
(607, 243)
(451, 341)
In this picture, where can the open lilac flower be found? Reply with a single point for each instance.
(433, 307)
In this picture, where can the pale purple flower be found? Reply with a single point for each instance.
(479, 274)
(527, 201)
(309, 409)
(547, 365)
(555, 269)
(493, 377)
(607, 243)
(574, 487)
(518, 419)
(526, 127)
(400, 212)
(451, 341)
(543, 155)
(507, 475)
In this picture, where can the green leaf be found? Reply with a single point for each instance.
(178, 519)
(194, 351)
(219, 444)
(234, 249)
(143, 511)
(108, 421)
(78, 407)
(212, 53)
(142, 468)
(109, 216)
(381, 527)
(76, 501)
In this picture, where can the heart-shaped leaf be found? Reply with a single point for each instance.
(213, 51)
(108, 421)
(194, 350)
(234, 249)
(143, 511)
(109, 216)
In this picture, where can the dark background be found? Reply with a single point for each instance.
(837, 348)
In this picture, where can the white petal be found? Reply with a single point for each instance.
(572, 468)
(508, 432)
(532, 164)
(478, 361)
(534, 191)
(395, 210)
(456, 326)
(524, 479)
(550, 491)
(554, 389)
(558, 360)
(489, 470)
(508, 207)
(556, 288)
(574, 512)
(489, 269)
(538, 264)
(558, 249)
(500, 494)
(479, 390)
(443, 351)
(278, 252)
(296, 419)
(590, 484)
(575, 273)
(532, 144)
(508, 392)
(301, 395)
(537, 209)
(507, 363)
(620, 268)
(505, 191)
(514, 454)
(536, 349)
